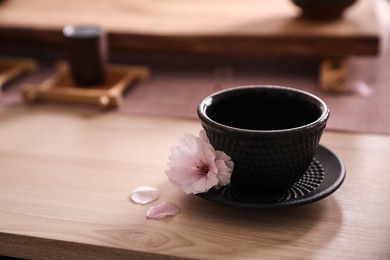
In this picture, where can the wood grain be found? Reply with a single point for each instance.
(250, 28)
(66, 176)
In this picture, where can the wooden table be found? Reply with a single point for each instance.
(246, 28)
(66, 177)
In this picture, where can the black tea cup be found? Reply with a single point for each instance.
(270, 132)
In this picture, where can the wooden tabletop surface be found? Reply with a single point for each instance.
(66, 177)
(247, 28)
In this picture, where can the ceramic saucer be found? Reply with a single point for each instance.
(324, 176)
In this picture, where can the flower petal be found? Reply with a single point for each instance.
(203, 136)
(205, 183)
(224, 172)
(144, 194)
(162, 210)
(182, 175)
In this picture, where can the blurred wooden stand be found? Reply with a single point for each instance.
(62, 88)
(333, 74)
(11, 68)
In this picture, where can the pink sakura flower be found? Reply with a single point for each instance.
(195, 166)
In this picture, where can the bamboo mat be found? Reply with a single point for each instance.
(177, 86)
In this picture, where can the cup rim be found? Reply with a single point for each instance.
(201, 110)
(83, 31)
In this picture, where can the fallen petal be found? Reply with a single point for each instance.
(163, 210)
(363, 89)
(144, 194)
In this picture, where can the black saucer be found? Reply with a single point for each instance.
(324, 176)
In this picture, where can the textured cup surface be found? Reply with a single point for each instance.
(270, 132)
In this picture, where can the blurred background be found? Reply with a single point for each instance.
(337, 50)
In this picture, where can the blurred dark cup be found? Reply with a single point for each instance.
(323, 9)
(86, 48)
